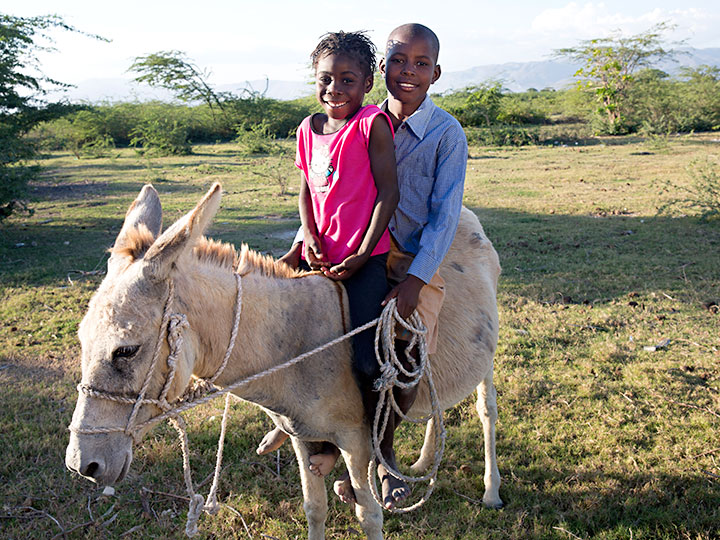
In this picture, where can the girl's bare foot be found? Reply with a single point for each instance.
(323, 462)
(343, 489)
(272, 441)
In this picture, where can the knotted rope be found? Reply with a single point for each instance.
(391, 369)
(171, 330)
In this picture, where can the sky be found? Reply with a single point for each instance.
(238, 40)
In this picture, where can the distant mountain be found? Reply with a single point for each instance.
(515, 76)
(557, 74)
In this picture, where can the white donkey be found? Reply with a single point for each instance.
(284, 313)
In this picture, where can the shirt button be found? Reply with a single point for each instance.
(392, 229)
(402, 126)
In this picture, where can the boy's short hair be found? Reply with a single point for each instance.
(356, 45)
(416, 30)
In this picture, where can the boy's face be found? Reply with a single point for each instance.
(409, 68)
(340, 85)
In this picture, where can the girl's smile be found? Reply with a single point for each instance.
(340, 86)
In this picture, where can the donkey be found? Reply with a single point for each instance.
(284, 313)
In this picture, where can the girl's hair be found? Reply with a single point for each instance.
(356, 45)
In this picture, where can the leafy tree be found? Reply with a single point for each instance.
(173, 71)
(700, 97)
(21, 103)
(609, 66)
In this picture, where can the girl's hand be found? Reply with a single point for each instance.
(313, 253)
(346, 268)
(407, 293)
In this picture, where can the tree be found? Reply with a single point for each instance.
(609, 66)
(21, 103)
(173, 71)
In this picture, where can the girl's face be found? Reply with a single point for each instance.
(340, 85)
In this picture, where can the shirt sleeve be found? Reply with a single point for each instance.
(445, 204)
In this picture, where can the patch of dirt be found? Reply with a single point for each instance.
(47, 367)
(67, 190)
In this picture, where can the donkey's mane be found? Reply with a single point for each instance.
(209, 251)
(252, 261)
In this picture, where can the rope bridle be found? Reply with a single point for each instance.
(171, 330)
(203, 390)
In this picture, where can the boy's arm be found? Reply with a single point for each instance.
(384, 170)
(445, 205)
(313, 251)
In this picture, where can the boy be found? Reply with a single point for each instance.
(431, 155)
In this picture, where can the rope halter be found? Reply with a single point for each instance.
(171, 330)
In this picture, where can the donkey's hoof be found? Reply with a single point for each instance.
(493, 503)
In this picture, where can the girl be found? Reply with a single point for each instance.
(348, 194)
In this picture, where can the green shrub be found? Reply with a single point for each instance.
(256, 139)
(701, 197)
(162, 136)
(501, 135)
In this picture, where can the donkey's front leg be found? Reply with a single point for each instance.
(356, 452)
(314, 493)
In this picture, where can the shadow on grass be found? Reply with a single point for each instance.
(63, 191)
(548, 258)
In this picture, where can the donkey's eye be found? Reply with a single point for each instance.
(127, 351)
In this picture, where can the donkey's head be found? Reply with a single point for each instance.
(123, 337)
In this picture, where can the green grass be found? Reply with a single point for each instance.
(598, 438)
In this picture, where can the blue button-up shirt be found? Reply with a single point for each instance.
(431, 154)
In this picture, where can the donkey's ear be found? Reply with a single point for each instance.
(181, 236)
(145, 211)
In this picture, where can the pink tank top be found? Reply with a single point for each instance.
(342, 188)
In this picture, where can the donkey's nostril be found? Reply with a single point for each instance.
(90, 470)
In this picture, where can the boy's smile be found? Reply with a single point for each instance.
(409, 68)
(340, 87)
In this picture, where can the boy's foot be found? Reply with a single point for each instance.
(323, 462)
(272, 441)
(343, 489)
(394, 490)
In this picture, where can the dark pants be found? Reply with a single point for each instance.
(366, 289)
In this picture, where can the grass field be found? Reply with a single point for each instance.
(599, 436)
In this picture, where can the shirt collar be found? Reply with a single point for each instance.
(420, 119)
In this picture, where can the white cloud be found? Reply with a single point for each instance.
(588, 20)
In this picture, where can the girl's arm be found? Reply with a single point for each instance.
(384, 170)
(313, 251)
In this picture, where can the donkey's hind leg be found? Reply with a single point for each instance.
(487, 409)
(356, 452)
(427, 454)
(314, 494)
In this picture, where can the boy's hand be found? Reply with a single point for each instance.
(346, 268)
(292, 257)
(407, 293)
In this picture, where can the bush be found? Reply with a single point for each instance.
(501, 135)
(256, 138)
(160, 135)
(702, 196)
